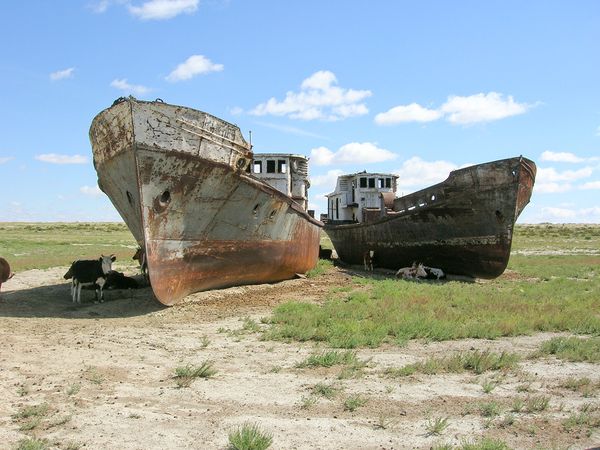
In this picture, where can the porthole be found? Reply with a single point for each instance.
(129, 198)
(165, 198)
(255, 210)
(272, 214)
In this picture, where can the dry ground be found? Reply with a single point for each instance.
(105, 371)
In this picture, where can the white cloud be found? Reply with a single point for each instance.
(582, 215)
(550, 174)
(163, 9)
(416, 173)
(326, 181)
(62, 74)
(355, 152)
(99, 6)
(481, 108)
(591, 185)
(409, 113)
(194, 65)
(457, 110)
(54, 158)
(551, 187)
(123, 85)
(560, 157)
(5, 159)
(319, 98)
(93, 191)
(559, 213)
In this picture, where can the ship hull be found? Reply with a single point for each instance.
(184, 194)
(463, 225)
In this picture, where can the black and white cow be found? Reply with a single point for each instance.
(89, 272)
(420, 271)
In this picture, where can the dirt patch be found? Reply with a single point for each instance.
(105, 372)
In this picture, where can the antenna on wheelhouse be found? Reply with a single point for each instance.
(250, 137)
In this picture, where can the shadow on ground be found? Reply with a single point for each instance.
(55, 301)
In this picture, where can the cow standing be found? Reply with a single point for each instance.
(140, 256)
(5, 273)
(89, 272)
(368, 257)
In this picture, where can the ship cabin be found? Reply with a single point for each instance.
(361, 197)
(285, 172)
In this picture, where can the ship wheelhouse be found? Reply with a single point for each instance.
(288, 173)
(361, 197)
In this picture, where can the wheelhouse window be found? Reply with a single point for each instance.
(371, 182)
(257, 168)
(380, 182)
(388, 182)
(281, 166)
(363, 182)
(270, 166)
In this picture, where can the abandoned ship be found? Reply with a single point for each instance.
(463, 225)
(208, 211)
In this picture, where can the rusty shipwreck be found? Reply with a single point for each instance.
(463, 225)
(209, 212)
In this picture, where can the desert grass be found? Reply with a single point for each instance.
(551, 290)
(583, 385)
(329, 391)
(30, 417)
(32, 444)
(329, 358)
(44, 245)
(474, 361)
(322, 266)
(436, 426)
(249, 436)
(352, 402)
(185, 375)
(573, 349)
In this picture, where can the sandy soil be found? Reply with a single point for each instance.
(105, 371)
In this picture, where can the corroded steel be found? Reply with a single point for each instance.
(463, 225)
(177, 177)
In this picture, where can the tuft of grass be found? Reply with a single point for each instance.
(353, 402)
(91, 374)
(488, 386)
(185, 375)
(249, 436)
(328, 391)
(489, 409)
(573, 348)
(485, 444)
(436, 426)
(32, 444)
(31, 411)
(323, 266)
(329, 359)
(22, 390)
(517, 405)
(204, 341)
(73, 389)
(307, 402)
(475, 361)
(385, 422)
(537, 403)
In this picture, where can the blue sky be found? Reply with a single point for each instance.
(413, 88)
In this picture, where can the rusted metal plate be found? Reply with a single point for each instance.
(182, 189)
(463, 225)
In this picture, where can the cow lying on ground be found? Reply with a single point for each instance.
(368, 257)
(118, 280)
(325, 253)
(86, 272)
(5, 273)
(420, 271)
(140, 256)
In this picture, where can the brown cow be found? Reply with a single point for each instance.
(5, 273)
(368, 257)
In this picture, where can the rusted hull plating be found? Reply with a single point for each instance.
(463, 225)
(177, 178)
